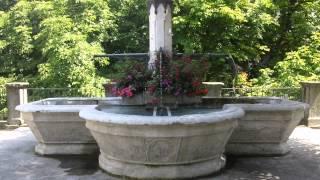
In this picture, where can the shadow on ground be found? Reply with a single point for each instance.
(77, 165)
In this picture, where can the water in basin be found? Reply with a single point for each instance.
(157, 111)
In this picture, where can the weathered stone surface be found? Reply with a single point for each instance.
(266, 126)
(22, 164)
(311, 96)
(162, 147)
(66, 148)
(160, 29)
(214, 88)
(143, 98)
(57, 126)
(108, 88)
(16, 95)
(3, 124)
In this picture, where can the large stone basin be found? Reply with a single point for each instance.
(161, 147)
(266, 126)
(56, 124)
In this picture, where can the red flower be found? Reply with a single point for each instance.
(152, 88)
(196, 83)
(205, 91)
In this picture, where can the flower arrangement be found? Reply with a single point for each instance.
(131, 79)
(179, 77)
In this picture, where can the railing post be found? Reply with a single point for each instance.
(108, 89)
(16, 95)
(311, 96)
(214, 88)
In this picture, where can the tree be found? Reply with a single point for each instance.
(6, 4)
(16, 40)
(38, 38)
(222, 26)
(56, 39)
(296, 21)
(131, 17)
(300, 65)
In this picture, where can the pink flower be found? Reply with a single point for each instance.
(126, 92)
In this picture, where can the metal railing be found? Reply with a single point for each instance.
(35, 94)
(292, 93)
(3, 104)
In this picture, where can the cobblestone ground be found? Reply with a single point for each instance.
(19, 162)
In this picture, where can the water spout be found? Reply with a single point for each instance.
(161, 111)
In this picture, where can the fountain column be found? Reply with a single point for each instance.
(160, 28)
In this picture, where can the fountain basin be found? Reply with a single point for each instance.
(148, 147)
(56, 124)
(266, 126)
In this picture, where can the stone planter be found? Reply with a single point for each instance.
(266, 126)
(57, 126)
(163, 147)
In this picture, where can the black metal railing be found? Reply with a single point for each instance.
(292, 93)
(35, 94)
(227, 57)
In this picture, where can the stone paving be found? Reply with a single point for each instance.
(19, 162)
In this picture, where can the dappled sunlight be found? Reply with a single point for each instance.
(307, 139)
(12, 135)
(264, 176)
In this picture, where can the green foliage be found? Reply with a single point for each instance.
(6, 4)
(300, 65)
(220, 70)
(131, 17)
(56, 41)
(4, 80)
(3, 97)
(16, 39)
(222, 26)
(42, 41)
(296, 22)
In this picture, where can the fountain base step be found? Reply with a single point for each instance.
(266, 149)
(66, 149)
(179, 171)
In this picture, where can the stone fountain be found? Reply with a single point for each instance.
(161, 142)
(187, 140)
